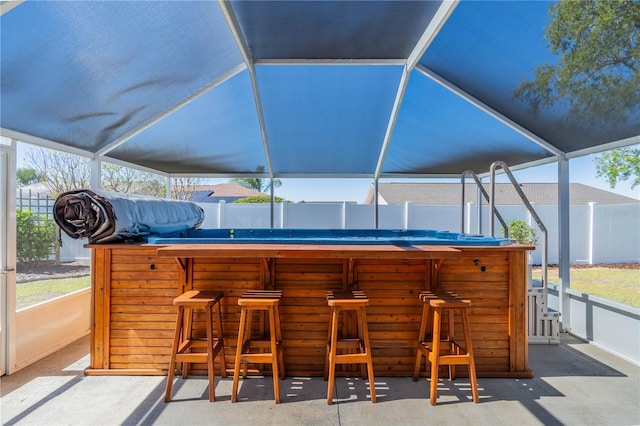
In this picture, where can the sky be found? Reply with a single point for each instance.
(581, 170)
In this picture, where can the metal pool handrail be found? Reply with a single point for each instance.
(526, 202)
(486, 197)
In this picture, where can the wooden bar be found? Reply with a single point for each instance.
(133, 287)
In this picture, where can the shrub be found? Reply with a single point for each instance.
(36, 237)
(258, 199)
(523, 233)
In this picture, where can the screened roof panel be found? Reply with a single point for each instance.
(215, 133)
(172, 85)
(489, 48)
(333, 29)
(86, 73)
(327, 120)
(439, 133)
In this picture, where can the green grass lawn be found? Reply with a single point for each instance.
(30, 293)
(618, 285)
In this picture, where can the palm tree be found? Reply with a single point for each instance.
(259, 184)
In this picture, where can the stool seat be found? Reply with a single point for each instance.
(439, 350)
(348, 301)
(184, 342)
(266, 301)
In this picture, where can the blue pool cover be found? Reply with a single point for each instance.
(328, 236)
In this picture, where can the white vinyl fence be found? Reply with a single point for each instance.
(599, 233)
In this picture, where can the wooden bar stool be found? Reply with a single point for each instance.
(260, 301)
(445, 350)
(183, 341)
(348, 301)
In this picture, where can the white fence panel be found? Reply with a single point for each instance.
(616, 237)
(72, 250)
(444, 218)
(211, 215)
(549, 217)
(246, 216)
(391, 216)
(359, 216)
(580, 228)
(314, 216)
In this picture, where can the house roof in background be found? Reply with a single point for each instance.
(450, 194)
(227, 192)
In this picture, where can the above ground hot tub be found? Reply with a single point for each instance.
(329, 236)
(134, 284)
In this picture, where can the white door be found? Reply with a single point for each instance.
(7, 249)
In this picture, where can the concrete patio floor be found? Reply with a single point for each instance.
(575, 384)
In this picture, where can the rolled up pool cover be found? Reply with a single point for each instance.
(104, 217)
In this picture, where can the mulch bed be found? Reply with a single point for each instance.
(49, 270)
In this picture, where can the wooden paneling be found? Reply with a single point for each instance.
(483, 278)
(394, 310)
(141, 312)
(134, 287)
(304, 312)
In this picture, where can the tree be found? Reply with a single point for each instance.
(259, 184)
(59, 171)
(598, 70)
(183, 188)
(619, 165)
(522, 232)
(26, 176)
(131, 181)
(62, 172)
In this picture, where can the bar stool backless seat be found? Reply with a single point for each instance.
(444, 349)
(184, 342)
(263, 301)
(340, 301)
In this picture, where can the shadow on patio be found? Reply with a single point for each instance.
(574, 383)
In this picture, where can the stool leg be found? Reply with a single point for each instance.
(362, 319)
(452, 330)
(423, 330)
(435, 356)
(280, 347)
(469, 348)
(236, 365)
(274, 354)
(247, 336)
(210, 369)
(332, 353)
(223, 357)
(172, 363)
(184, 367)
(361, 345)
